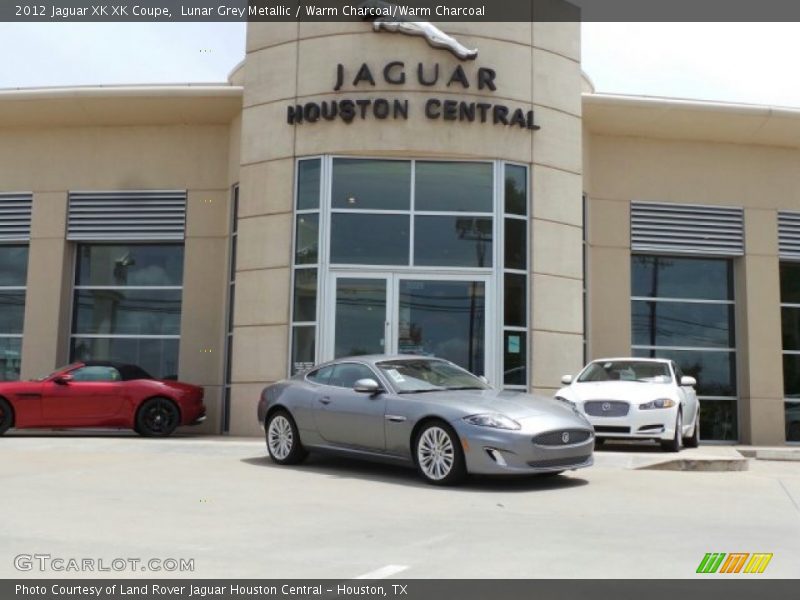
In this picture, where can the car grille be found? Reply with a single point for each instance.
(557, 438)
(559, 462)
(606, 408)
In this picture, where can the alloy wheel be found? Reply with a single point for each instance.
(435, 453)
(280, 437)
(159, 417)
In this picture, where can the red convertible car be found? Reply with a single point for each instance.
(101, 394)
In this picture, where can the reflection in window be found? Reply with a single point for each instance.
(679, 277)
(682, 309)
(516, 190)
(682, 324)
(453, 241)
(371, 184)
(157, 356)
(369, 239)
(790, 323)
(13, 280)
(127, 305)
(453, 187)
(308, 172)
(307, 239)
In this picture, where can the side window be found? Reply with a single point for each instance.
(345, 375)
(320, 376)
(678, 372)
(96, 374)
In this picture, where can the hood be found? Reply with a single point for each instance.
(628, 391)
(512, 404)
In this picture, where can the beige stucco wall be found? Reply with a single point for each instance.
(52, 161)
(537, 67)
(760, 178)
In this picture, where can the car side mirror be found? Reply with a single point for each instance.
(63, 379)
(566, 379)
(367, 386)
(688, 381)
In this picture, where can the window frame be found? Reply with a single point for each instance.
(494, 273)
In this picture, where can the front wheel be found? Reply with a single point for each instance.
(694, 440)
(157, 417)
(6, 416)
(283, 440)
(674, 445)
(438, 453)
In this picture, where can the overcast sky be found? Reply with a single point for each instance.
(734, 62)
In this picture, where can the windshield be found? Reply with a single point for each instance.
(58, 370)
(626, 370)
(414, 376)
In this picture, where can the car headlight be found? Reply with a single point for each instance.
(660, 403)
(565, 401)
(495, 420)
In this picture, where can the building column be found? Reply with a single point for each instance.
(45, 341)
(758, 328)
(205, 278)
(609, 278)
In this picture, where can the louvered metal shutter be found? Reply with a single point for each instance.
(687, 229)
(789, 234)
(149, 215)
(15, 217)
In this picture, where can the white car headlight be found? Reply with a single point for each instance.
(495, 420)
(659, 403)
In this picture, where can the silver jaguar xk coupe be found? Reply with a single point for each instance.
(424, 412)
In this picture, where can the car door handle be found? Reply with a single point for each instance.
(325, 400)
(395, 418)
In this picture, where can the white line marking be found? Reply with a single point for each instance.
(383, 572)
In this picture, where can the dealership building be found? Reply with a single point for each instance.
(354, 191)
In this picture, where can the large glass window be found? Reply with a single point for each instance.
(515, 277)
(234, 229)
(683, 309)
(411, 213)
(790, 319)
(367, 231)
(127, 305)
(13, 279)
(305, 271)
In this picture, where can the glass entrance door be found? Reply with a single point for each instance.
(443, 316)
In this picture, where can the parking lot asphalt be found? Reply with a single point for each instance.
(223, 503)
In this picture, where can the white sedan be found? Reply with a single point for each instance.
(636, 398)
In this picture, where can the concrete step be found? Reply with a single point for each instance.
(651, 457)
(770, 453)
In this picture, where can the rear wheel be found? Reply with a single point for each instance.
(157, 417)
(438, 453)
(283, 440)
(6, 416)
(674, 445)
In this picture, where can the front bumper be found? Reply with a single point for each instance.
(489, 451)
(658, 423)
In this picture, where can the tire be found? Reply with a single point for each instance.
(438, 454)
(693, 440)
(157, 417)
(283, 440)
(6, 416)
(674, 445)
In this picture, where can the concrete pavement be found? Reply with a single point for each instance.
(221, 502)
